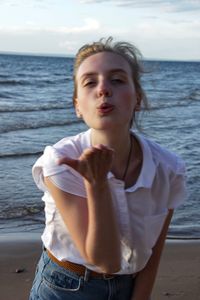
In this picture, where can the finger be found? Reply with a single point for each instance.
(68, 161)
(98, 146)
(107, 148)
(103, 147)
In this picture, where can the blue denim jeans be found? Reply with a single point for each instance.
(53, 282)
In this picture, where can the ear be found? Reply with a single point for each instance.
(138, 104)
(137, 107)
(78, 113)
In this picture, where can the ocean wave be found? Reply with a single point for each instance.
(14, 82)
(169, 105)
(35, 83)
(194, 95)
(5, 96)
(18, 127)
(184, 232)
(20, 211)
(20, 154)
(4, 76)
(47, 107)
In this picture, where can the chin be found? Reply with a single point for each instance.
(106, 124)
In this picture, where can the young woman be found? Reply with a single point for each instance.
(109, 193)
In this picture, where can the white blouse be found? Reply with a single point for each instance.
(141, 209)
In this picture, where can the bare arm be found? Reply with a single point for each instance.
(91, 222)
(146, 278)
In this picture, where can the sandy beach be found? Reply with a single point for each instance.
(178, 276)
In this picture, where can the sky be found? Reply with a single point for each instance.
(161, 29)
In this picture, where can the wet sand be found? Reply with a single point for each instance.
(178, 277)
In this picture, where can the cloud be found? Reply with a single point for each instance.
(89, 25)
(16, 2)
(23, 3)
(34, 39)
(168, 5)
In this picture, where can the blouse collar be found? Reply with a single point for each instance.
(148, 170)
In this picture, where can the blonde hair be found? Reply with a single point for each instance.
(127, 50)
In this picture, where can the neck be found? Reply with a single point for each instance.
(114, 139)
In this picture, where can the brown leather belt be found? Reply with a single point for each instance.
(79, 269)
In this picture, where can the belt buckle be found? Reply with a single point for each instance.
(108, 276)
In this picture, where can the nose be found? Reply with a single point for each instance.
(104, 90)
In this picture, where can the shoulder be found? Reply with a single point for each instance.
(161, 156)
(69, 146)
(166, 173)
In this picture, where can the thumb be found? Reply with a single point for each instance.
(73, 163)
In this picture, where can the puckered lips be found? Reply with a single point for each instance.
(105, 108)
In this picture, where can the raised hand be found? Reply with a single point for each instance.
(93, 164)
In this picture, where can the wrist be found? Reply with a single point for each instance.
(96, 184)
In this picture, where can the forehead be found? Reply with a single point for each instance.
(103, 62)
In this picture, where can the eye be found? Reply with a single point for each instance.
(118, 77)
(89, 82)
(117, 80)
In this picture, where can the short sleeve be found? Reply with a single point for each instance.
(178, 185)
(63, 176)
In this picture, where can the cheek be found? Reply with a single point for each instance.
(81, 103)
(82, 99)
(84, 106)
(130, 100)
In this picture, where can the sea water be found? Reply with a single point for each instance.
(36, 110)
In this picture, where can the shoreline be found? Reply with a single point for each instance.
(178, 275)
(35, 235)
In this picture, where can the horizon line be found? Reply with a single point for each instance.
(62, 55)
